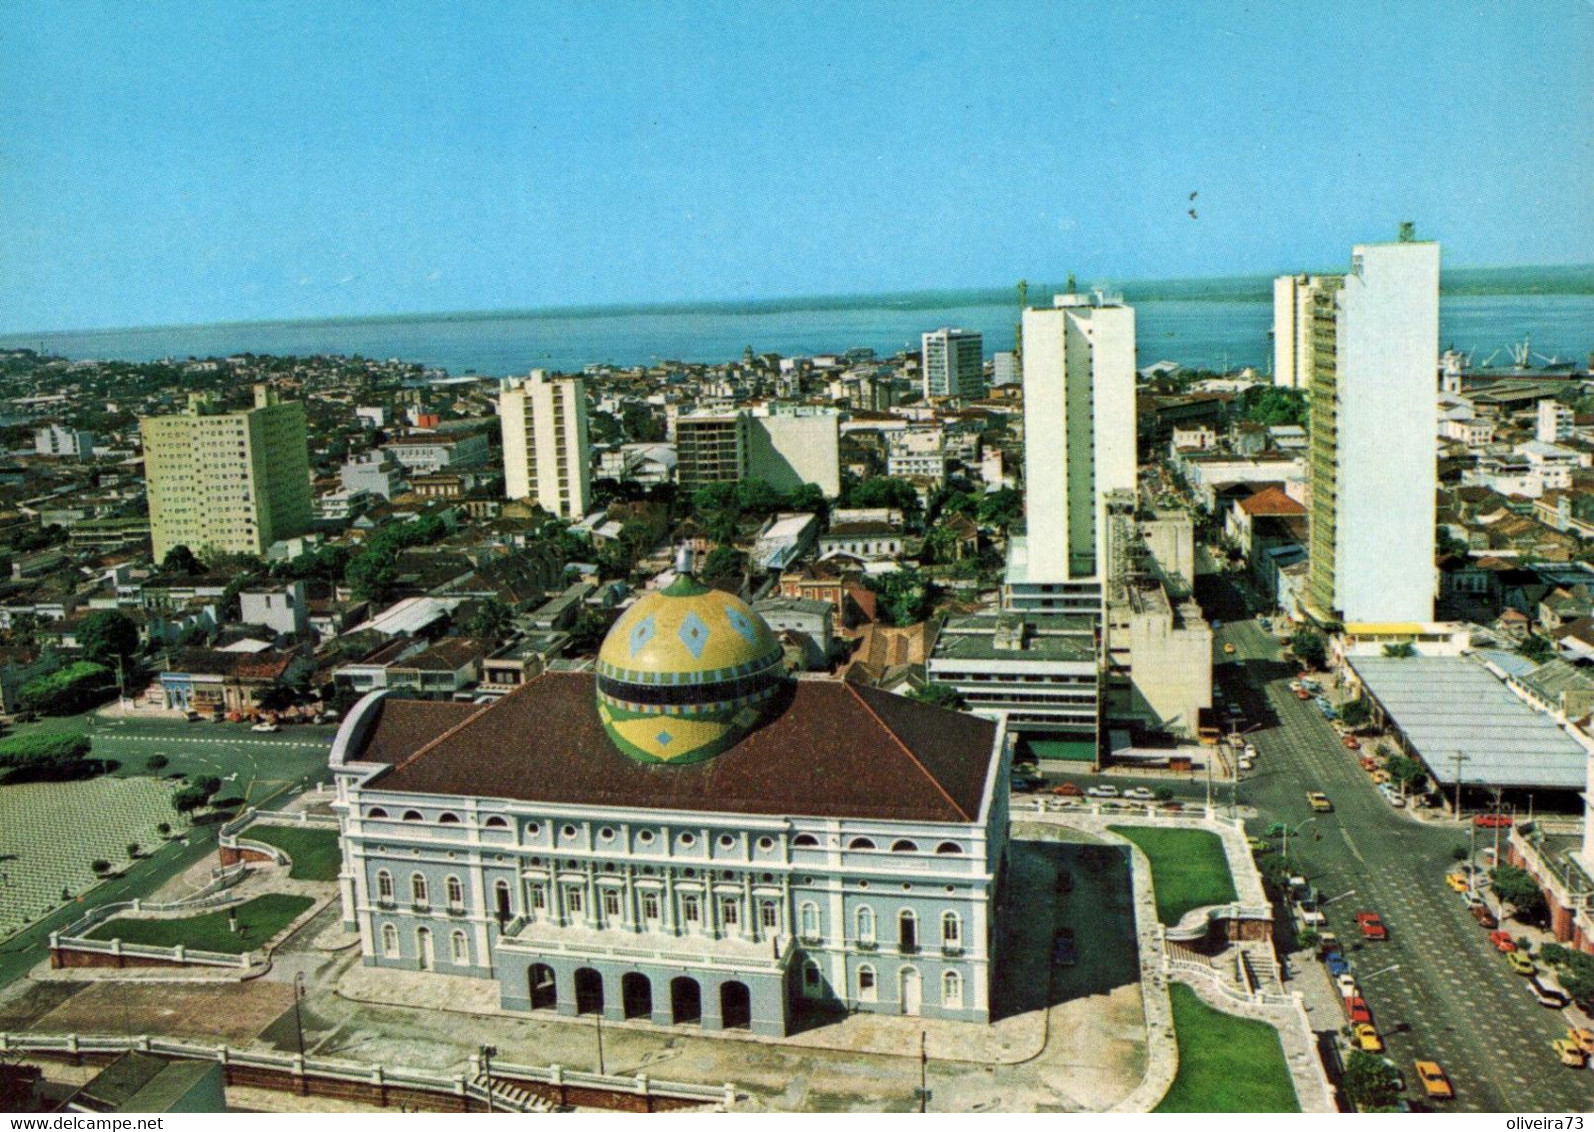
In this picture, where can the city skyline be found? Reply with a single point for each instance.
(282, 163)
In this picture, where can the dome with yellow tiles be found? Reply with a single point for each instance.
(686, 673)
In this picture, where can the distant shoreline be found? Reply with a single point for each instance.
(1572, 279)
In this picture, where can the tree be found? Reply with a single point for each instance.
(940, 695)
(491, 621)
(1518, 888)
(1408, 773)
(180, 561)
(132, 850)
(1356, 712)
(1369, 1081)
(1274, 405)
(1309, 647)
(107, 636)
(156, 762)
(67, 690)
(100, 866)
(1000, 508)
(1537, 649)
(1400, 650)
(904, 596)
(724, 562)
(371, 576)
(164, 828)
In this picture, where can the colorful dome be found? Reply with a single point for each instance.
(686, 673)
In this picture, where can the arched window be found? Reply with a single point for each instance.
(904, 846)
(376, 812)
(952, 989)
(865, 924)
(412, 815)
(949, 847)
(446, 818)
(459, 948)
(809, 916)
(389, 941)
(384, 885)
(496, 822)
(907, 931)
(418, 888)
(951, 930)
(456, 892)
(868, 989)
(811, 977)
(860, 843)
(805, 841)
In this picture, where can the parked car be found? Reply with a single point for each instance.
(1521, 964)
(1434, 1082)
(1569, 1053)
(1302, 694)
(1295, 686)
(1485, 918)
(1380, 777)
(1140, 794)
(1366, 1038)
(1360, 1013)
(1456, 881)
(1492, 821)
(1369, 763)
(265, 726)
(1250, 751)
(1549, 997)
(1371, 925)
(1067, 790)
(1502, 941)
(1351, 743)
(1347, 986)
(1102, 792)
(1583, 1039)
(1336, 964)
(1472, 900)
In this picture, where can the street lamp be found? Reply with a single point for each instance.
(487, 1055)
(599, 1017)
(298, 1018)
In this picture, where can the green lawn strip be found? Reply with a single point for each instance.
(264, 917)
(1226, 1064)
(1188, 868)
(314, 852)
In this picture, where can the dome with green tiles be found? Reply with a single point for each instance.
(685, 673)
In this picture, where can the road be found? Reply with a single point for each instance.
(263, 769)
(1437, 987)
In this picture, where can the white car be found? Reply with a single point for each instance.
(1295, 685)
(1103, 792)
(1140, 794)
(1247, 764)
(1250, 750)
(1347, 986)
(265, 728)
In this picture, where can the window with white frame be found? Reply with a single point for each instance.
(768, 914)
(809, 918)
(456, 892)
(691, 910)
(951, 930)
(730, 911)
(459, 948)
(611, 902)
(539, 897)
(951, 989)
(868, 989)
(418, 888)
(573, 900)
(390, 941)
(650, 906)
(865, 924)
(384, 885)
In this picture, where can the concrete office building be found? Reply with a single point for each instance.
(1079, 444)
(1292, 329)
(1373, 442)
(1005, 369)
(544, 422)
(53, 440)
(784, 449)
(229, 482)
(952, 362)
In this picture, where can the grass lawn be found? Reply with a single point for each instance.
(1188, 868)
(264, 917)
(1226, 1064)
(314, 852)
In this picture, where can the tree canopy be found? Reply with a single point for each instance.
(107, 635)
(904, 596)
(1274, 405)
(1369, 1081)
(181, 561)
(1309, 647)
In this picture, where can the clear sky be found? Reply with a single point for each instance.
(182, 162)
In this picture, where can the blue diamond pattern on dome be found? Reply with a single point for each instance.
(693, 634)
(743, 624)
(664, 738)
(642, 633)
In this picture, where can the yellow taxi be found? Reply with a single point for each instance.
(1456, 881)
(1366, 1038)
(1582, 1039)
(1569, 1053)
(1521, 964)
(1434, 1082)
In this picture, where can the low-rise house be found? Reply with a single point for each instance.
(784, 539)
(283, 608)
(861, 539)
(213, 681)
(812, 620)
(448, 666)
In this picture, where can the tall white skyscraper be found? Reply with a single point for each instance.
(1292, 327)
(1079, 430)
(544, 422)
(1373, 364)
(954, 363)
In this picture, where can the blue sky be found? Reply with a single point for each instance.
(174, 163)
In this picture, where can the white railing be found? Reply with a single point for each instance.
(467, 1083)
(177, 954)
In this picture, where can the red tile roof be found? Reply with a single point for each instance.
(834, 751)
(1271, 500)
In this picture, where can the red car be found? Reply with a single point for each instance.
(1351, 744)
(1502, 941)
(1068, 790)
(1359, 1011)
(1302, 694)
(1371, 926)
(1492, 821)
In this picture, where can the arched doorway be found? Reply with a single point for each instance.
(636, 995)
(736, 1006)
(544, 990)
(589, 991)
(686, 1000)
(423, 949)
(912, 991)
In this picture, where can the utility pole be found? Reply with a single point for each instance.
(1497, 793)
(488, 1053)
(924, 1075)
(1458, 758)
(298, 1019)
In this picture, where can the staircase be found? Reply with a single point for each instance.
(510, 1097)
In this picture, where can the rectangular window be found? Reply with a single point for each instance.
(730, 912)
(611, 902)
(650, 905)
(768, 914)
(573, 900)
(689, 909)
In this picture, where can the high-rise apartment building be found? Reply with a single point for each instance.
(1292, 328)
(1373, 365)
(544, 423)
(953, 363)
(785, 449)
(228, 482)
(1079, 445)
